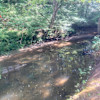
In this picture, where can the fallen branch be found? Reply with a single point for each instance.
(78, 38)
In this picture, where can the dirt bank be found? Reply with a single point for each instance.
(35, 47)
(66, 42)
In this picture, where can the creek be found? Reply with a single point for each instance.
(48, 74)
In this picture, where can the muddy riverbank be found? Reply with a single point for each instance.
(66, 42)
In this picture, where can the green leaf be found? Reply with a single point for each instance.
(83, 81)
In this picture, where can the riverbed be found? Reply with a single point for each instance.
(48, 73)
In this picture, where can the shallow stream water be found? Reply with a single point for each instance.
(48, 74)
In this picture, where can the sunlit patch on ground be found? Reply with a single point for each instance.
(61, 81)
(3, 58)
(62, 44)
(86, 92)
(10, 96)
(36, 46)
(25, 49)
(40, 50)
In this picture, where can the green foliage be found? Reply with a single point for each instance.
(96, 43)
(21, 20)
(73, 16)
(11, 1)
(18, 26)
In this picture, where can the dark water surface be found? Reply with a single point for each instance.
(48, 74)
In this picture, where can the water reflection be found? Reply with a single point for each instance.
(61, 80)
(10, 96)
(48, 74)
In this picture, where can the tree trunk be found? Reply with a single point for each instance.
(55, 10)
(99, 26)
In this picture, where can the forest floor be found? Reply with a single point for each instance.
(92, 88)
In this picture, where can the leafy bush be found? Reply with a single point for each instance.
(21, 19)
